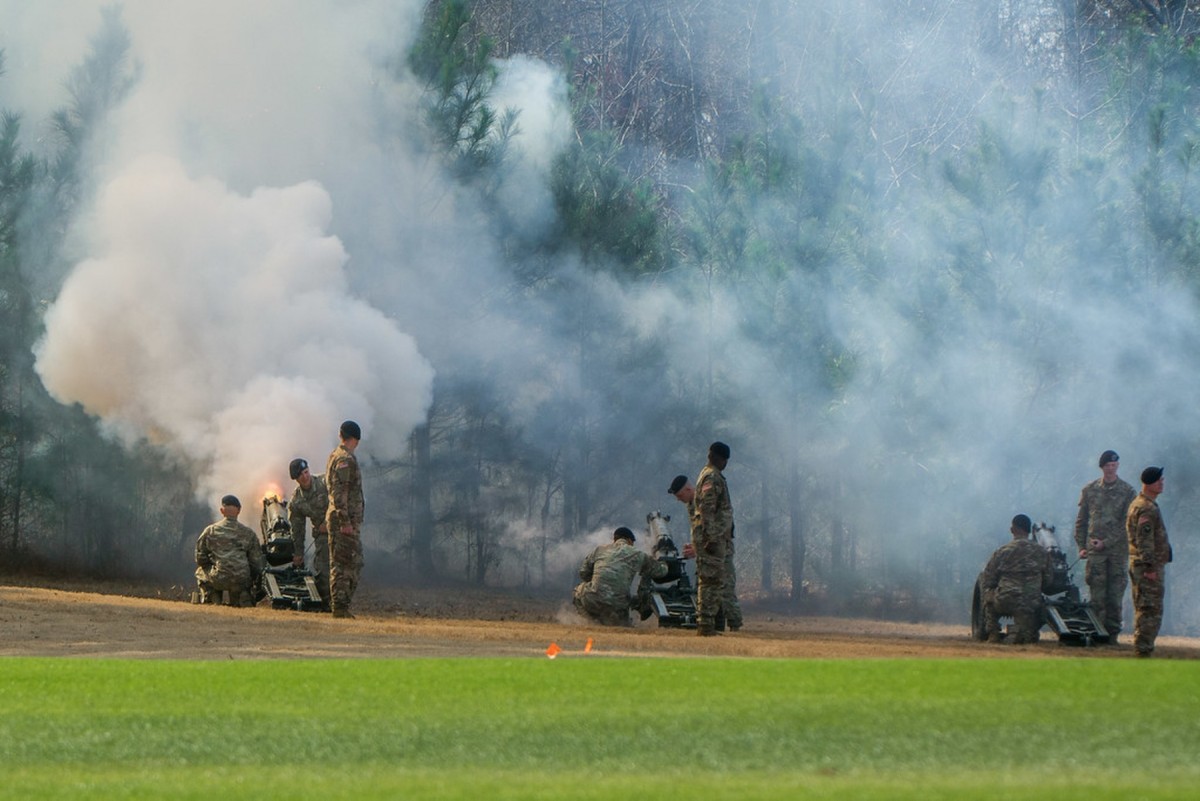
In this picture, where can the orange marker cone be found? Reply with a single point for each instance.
(553, 650)
(587, 649)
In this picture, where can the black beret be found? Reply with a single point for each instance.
(1109, 456)
(350, 430)
(677, 484)
(1151, 475)
(624, 533)
(1023, 522)
(231, 500)
(297, 467)
(719, 449)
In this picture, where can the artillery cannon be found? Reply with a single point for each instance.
(674, 595)
(1063, 609)
(288, 586)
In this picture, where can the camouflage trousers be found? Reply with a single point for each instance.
(320, 565)
(729, 599)
(1026, 615)
(345, 564)
(212, 582)
(608, 612)
(1148, 595)
(710, 581)
(1107, 577)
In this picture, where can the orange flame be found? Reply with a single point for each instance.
(553, 650)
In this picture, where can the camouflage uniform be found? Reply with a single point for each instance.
(712, 522)
(312, 504)
(607, 573)
(1012, 584)
(729, 599)
(1100, 530)
(1149, 552)
(344, 481)
(228, 557)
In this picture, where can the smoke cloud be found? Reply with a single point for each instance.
(269, 251)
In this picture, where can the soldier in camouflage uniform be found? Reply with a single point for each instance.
(1013, 582)
(607, 574)
(344, 519)
(685, 492)
(1149, 553)
(1100, 536)
(229, 558)
(712, 526)
(310, 501)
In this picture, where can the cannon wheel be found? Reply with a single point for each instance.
(978, 626)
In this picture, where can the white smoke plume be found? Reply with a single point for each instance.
(220, 327)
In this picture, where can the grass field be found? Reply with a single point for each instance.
(600, 728)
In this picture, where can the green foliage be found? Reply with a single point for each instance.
(459, 75)
(532, 728)
(613, 219)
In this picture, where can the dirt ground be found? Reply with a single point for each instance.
(64, 618)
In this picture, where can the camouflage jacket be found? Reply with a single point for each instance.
(1020, 568)
(609, 571)
(1148, 543)
(1101, 517)
(712, 513)
(344, 481)
(229, 554)
(305, 505)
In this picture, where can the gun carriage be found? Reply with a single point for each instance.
(288, 586)
(674, 595)
(1063, 608)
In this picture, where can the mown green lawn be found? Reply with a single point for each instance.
(599, 728)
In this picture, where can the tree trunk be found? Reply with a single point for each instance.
(422, 504)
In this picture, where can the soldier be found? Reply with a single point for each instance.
(685, 493)
(712, 527)
(1100, 535)
(1013, 582)
(1149, 553)
(607, 574)
(310, 501)
(343, 519)
(229, 558)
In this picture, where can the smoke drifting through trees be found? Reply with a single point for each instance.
(922, 277)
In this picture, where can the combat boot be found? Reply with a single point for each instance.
(339, 610)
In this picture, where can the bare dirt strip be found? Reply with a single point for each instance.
(78, 622)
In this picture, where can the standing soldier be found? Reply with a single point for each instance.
(310, 501)
(343, 519)
(1149, 553)
(712, 523)
(1100, 535)
(229, 558)
(685, 493)
(1013, 582)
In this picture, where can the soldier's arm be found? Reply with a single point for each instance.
(1143, 537)
(588, 568)
(652, 568)
(297, 524)
(1081, 521)
(991, 573)
(707, 501)
(203, 556)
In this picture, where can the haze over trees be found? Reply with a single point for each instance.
(918, 263)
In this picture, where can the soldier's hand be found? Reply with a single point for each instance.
(297, 561)
(1083, 553)
(1152, 575)
(689, 551)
